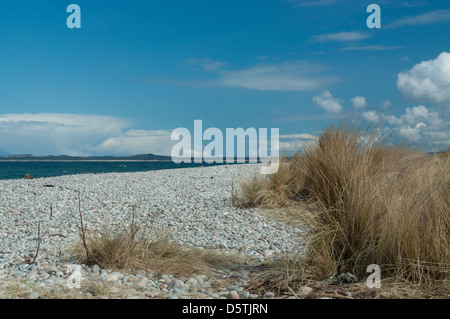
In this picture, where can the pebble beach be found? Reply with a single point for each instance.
(192, 205)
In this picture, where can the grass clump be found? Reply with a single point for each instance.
(136, 249)
(369, 204)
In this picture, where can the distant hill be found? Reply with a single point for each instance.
(67, 158)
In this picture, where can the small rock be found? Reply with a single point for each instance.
(233, 295)
(269, 295)
(233, 288)
(192, 282)
(244, 295)
(114, 276)
(304, 291)
(141, 273)
(179, 291)
(205, 284)
(95, 269)
(177, 284)
(346, 278)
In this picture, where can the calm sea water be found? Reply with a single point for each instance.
(16, 170)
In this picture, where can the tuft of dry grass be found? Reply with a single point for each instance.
(136, 249)
(370, 203)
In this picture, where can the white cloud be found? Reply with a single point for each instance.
(75, 134)
(418, 125)
(371, 116)
(291, 143)
(138, 142)
(341, 36)
(431, 17)
(428, 80)
(411, 134)
(298, 136)
(386, 104)
(328, 102)
(287, 76)
(359, 102)
(371, 48)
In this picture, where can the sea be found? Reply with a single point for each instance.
(17, 170)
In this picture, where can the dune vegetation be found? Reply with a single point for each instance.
(368, 203)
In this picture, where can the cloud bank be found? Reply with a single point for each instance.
(75, 134)
(417, 125)
(84, 135)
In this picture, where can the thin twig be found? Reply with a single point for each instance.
(133, 228)
(83, 235)
(39, 242)
(287, 283)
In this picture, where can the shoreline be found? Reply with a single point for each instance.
(81, 161)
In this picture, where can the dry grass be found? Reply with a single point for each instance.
(17, 289)
(371, 204)
(118, 251)
(150, 250)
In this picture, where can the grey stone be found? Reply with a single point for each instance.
(244, 295)
(114, 276)
(304, 291)
(347, 278)
(269, 295)
(141, 273)
(179, 291)
(95, 269)
(233, 295)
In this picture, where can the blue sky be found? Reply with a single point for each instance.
(136, 70)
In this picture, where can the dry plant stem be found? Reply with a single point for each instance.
(83, 234)
(287, 283)
(133, 227)
(39, 242)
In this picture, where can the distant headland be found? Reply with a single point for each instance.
(66, 158)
